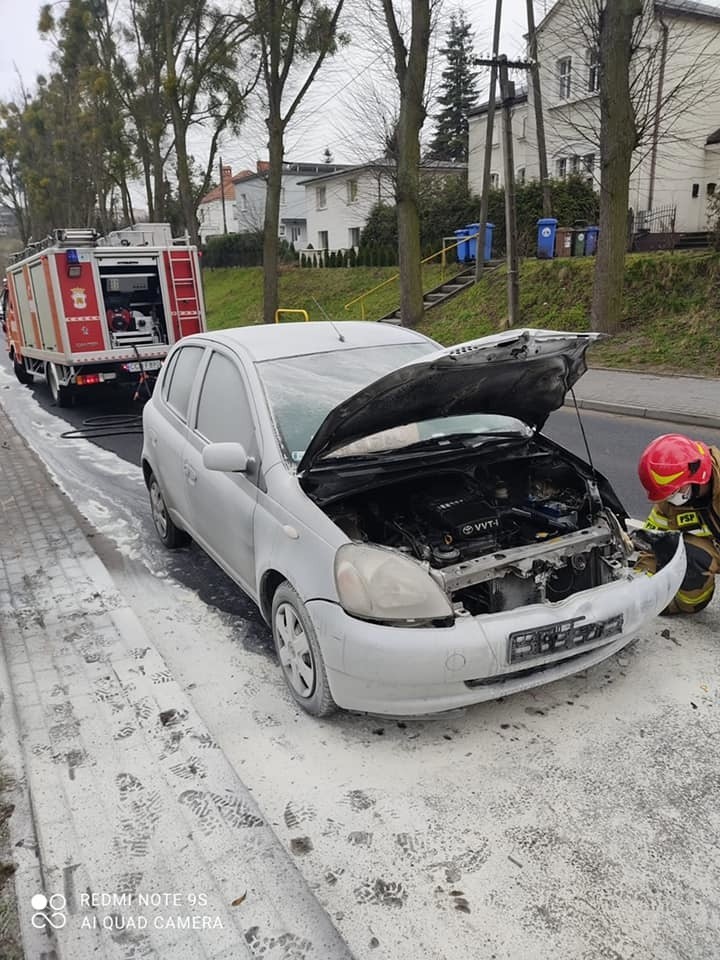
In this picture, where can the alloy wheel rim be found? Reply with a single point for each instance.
(158, 509)
(294, 651)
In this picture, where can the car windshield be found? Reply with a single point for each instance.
(302, 391)
(440, 431)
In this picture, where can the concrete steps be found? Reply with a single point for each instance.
(445, 291)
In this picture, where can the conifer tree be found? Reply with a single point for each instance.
(459, 93)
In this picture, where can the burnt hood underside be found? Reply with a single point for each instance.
(524, 374)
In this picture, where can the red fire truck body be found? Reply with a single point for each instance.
(83, 310)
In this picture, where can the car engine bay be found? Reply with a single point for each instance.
(496, 532)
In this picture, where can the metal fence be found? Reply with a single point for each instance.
(658, 220)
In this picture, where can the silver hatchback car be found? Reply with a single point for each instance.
(413, 540)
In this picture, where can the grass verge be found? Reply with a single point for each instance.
(670, 322)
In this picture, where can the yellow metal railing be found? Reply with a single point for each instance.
(443, 264)
(283, 310)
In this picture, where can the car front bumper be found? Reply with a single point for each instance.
(404, 671)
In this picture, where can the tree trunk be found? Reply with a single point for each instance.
(407, 190)
(185, 190)
(618, 140)
(411, 72)
(272, 218)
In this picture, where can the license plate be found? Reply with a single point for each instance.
(556, 637)
(145, 365)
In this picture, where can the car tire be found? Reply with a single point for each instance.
(170, 534)
(299, 653)
(62, 396)
(21, 373)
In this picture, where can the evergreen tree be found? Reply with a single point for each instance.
(459, 93)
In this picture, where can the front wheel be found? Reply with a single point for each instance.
(62, 395)
(299, 653)
(171, 535)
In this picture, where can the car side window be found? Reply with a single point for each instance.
(223, 409)
(181, 379)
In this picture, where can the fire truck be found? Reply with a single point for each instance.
(83, 310)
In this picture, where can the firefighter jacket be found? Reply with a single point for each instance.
(699, 523)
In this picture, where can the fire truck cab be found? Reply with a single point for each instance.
(83, 310)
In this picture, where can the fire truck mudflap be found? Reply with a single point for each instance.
(83, 310)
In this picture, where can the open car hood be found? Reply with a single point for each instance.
(520, 373)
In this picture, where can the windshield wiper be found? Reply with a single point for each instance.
(461, 438)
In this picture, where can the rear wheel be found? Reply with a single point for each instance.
(21, 373)
(299, 653)
(62, 395)
(170, 534)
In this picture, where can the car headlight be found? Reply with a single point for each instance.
(374, 583)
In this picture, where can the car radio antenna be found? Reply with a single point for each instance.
(341, 338)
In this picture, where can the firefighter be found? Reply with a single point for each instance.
(682, 479)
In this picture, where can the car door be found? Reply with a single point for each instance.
(222, 505)
(167, 430)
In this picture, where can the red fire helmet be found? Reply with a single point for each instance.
(670, 462)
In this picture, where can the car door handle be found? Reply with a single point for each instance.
(190, 474)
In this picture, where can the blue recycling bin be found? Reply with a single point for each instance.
(463, 253)
(473, 230)
(591, 240)
(546, 238)
(487, 252)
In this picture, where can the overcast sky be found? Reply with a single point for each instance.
(23, 54)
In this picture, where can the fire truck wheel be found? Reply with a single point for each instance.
(21, 373)
(170, 535)
(62, 396)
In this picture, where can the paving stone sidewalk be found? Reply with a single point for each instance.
(132, 804)
(690, 400)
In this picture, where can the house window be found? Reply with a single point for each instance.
(354, 236)
(711, 189)
(323, 239)
(494, 181)
(593, 59)
(564, 72)
(521, 175)
(295, 233)
(243, 203)
(589, 162)
(696, 190)
(574, 164)
(281, 230)
(523, 129)
(561, 167)
(282, 195)
(352, 191)
(320, 198)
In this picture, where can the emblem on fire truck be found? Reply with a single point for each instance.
(79, 298)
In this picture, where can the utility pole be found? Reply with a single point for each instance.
(487, 163)
(539, 118)
(507, 95)
(222, 195)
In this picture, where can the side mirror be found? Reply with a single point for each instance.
(227, 458)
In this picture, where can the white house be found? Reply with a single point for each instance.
(243, 196)
(338, 204)
(676, 89)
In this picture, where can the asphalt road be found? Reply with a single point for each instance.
(615, 442)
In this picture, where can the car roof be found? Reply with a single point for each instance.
(277, 340)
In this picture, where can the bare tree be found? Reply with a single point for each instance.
(289, 34)
(652, 65)
(410, 59)
(618, 140)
